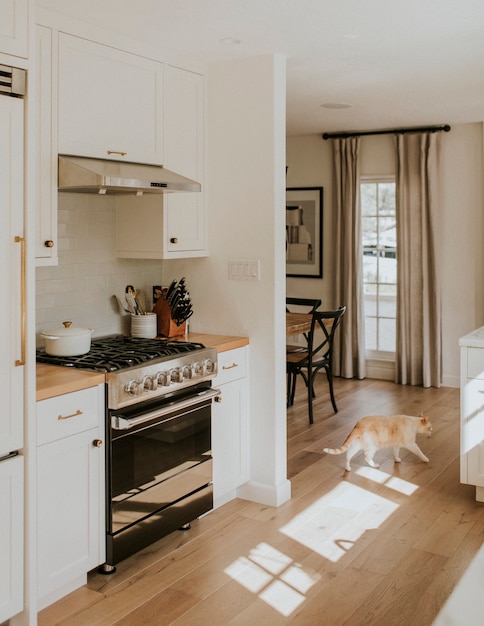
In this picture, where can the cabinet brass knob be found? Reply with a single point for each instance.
(49, 243)
(174, 240)
(97, 443)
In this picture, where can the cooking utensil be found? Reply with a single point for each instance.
(121, 307)
(67, 341)
(140, 301)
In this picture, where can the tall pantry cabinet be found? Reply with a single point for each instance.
(12, 349)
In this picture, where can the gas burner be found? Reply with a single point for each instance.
(110, 354)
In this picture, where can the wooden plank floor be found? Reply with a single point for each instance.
(371, 547)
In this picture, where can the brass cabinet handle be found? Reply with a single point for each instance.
(66, 417)
(230, 367)
(117, 152)
(174, 240)
(49, 243)
(23, 311)
(97, 443)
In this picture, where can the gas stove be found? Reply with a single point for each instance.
(142, 369)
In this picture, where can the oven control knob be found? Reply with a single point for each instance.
(163, 379)
(198, 368)
(188, 372)
(209, 366)
(133, 387)
(150, 383)
(176, 375)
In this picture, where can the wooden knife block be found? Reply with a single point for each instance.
(166, 325)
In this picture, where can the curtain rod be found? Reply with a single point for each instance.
(396, 131)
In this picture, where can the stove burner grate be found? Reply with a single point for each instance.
(110, 354)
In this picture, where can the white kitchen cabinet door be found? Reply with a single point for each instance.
(46, 244)
(12, 249)
(11, 537)
(14, 27)
(110, 103)
(70, 491)
(230, 426)
(184, 216)
(171, 225)
(472, 418)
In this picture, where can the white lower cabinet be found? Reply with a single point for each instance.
(11, 536)
(70, 491)
(472, 411)
(230, 425)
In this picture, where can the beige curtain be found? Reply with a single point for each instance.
(349, 352)
(418, 359)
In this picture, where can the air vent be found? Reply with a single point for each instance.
(12, 81)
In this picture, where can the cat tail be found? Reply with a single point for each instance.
(343, 448)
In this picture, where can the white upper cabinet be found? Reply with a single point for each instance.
(46, 209)
(14, 27)
(110, 103)
(183, 147)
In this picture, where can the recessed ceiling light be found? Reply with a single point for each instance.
(336, 105)
(229, 41)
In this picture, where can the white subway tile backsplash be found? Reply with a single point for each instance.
(81, 287)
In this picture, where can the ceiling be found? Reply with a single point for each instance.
(411, 63)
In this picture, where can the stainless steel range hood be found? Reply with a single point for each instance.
(101, 176)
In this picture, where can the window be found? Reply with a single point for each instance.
(379, 242)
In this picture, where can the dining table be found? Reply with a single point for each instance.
(297, 323)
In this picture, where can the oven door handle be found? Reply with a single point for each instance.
(121, 423)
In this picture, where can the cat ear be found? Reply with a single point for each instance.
(423, 419)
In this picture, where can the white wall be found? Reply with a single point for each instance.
(462, 252)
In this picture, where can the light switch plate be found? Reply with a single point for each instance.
(244, 269)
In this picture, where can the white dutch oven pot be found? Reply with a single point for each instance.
(67, 341)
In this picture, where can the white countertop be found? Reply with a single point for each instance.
(475, 339)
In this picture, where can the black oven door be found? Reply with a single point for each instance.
(159, 471)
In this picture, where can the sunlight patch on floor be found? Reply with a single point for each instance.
(393, 482)
(330, 527)
(274, 576)
(333, 524)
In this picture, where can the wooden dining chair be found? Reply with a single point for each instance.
(309, 305)
(319, 355)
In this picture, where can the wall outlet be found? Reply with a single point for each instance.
(243, 269)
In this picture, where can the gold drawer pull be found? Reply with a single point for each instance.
(230, 367)
(66, 417)
(117, 152)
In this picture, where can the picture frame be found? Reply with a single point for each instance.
(304, 232)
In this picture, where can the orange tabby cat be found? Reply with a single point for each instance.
(380, 431)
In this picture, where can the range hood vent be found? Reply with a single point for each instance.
(102, 176)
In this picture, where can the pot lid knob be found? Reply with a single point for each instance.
(67, 324)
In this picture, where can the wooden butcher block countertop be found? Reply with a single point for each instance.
(54, 380)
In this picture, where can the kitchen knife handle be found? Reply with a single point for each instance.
(23, 315)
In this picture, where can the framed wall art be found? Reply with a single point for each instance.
(304, 232)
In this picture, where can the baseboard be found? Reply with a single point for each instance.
(271, 495)
(380, 369)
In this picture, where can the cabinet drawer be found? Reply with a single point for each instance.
(475, 363)
(231, 366)
(68, 414)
